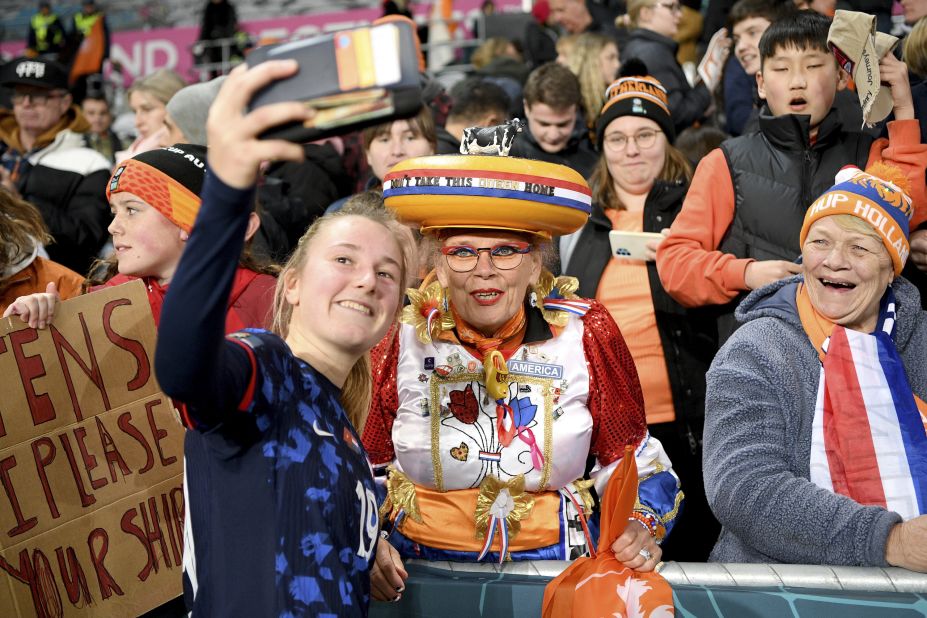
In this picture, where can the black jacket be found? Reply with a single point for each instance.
(110, 145)
(777, 173)
(293, 195)
(603, 21)
(447, 143)
(687, 104)
(716, 17)
(67, 183)
(540, 44)
(688, 336)
(220, 21)
(846, 104)
(577, 154)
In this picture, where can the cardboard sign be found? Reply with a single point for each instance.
(91, 463)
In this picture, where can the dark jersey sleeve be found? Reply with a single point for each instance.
(194, 362)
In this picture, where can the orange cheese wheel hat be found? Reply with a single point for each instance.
(486, 192)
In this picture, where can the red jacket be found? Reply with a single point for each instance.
(250, 304)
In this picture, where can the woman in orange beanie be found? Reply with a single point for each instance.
(815, 423)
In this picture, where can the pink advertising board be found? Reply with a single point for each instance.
(143, 51)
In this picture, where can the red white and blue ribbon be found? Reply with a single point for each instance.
(576, 307)
(488, 183)
(869, 440)
(554, 301)
(494, 524)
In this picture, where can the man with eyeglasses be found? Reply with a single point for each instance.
(43, 160)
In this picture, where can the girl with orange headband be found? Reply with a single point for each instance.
(154, 198)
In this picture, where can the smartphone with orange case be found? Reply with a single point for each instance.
(352, 78)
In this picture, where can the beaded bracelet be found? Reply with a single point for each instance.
(647, 520)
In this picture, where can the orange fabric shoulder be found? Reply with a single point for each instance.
(692, 269)
(68, 281)
(904, 149)
(35, 277)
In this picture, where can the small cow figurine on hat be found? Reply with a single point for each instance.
(495, 140)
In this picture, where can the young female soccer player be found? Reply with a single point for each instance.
(292, 516)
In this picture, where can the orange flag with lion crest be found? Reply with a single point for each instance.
(601, 585)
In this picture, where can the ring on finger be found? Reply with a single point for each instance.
(646, 554)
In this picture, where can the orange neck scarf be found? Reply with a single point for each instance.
(817, 327)
(508, 336)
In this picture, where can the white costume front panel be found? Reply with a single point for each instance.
(445, 434)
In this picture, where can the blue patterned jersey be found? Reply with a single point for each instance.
(291, 513)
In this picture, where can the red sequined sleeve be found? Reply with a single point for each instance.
(615, 401)
(378, 430)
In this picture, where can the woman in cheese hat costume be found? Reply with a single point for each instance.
(502, 402)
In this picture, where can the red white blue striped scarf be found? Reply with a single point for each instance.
(869, 440)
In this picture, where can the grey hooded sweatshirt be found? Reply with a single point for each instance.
(762, 388)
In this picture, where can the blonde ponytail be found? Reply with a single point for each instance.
(357, 393)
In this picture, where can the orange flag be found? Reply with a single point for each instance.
(602, 586)
(447, 13)
(89, 56)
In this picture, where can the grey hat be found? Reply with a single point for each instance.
(189, 108)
